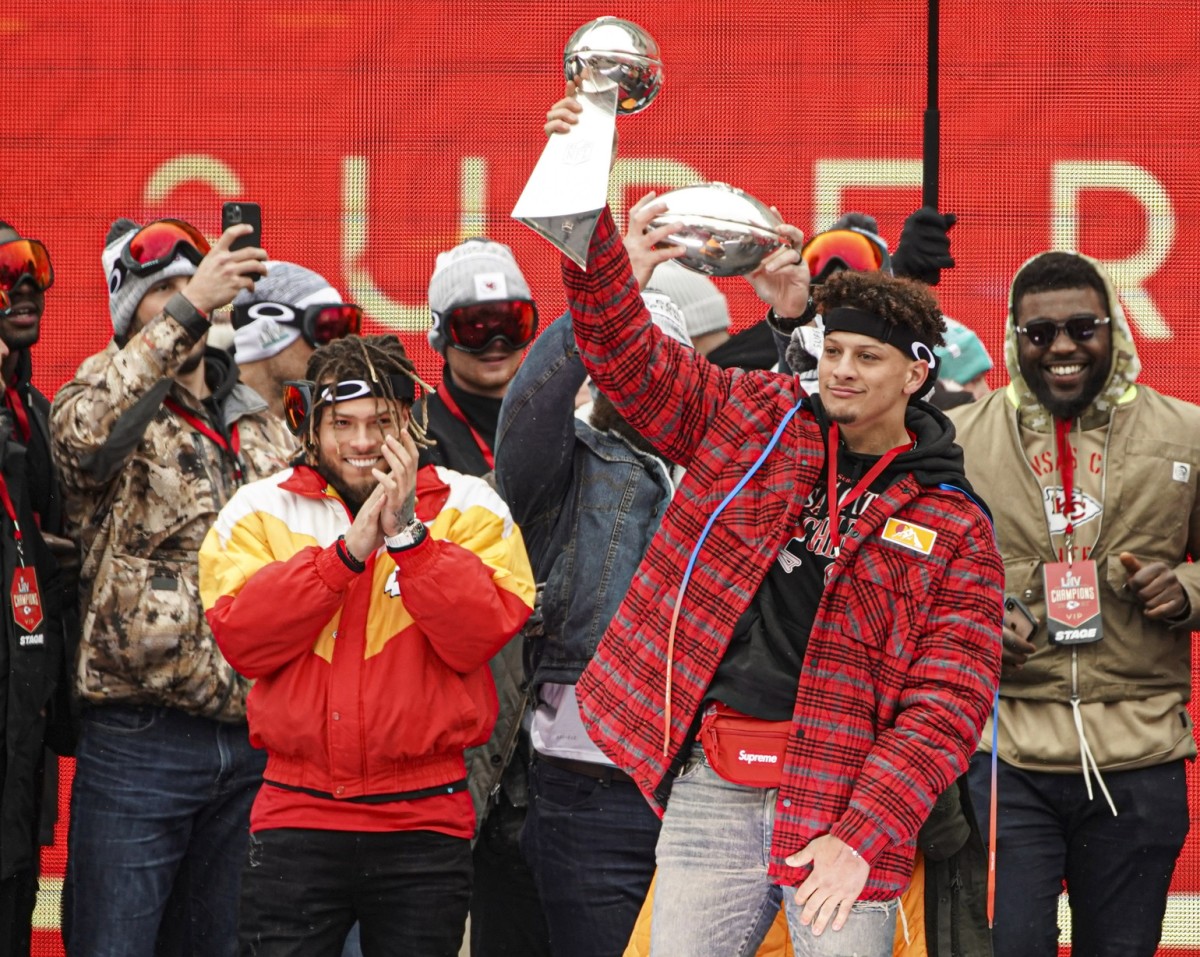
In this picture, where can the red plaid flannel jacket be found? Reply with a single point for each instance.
(904, 655)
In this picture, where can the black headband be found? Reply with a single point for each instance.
(850, 319)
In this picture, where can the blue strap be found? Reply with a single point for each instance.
(687, 574)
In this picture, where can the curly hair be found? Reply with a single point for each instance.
(902, 302)
(370, 358)
(1057, 270)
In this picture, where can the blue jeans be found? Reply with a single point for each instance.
(160, 804)
(590, 845)
(303, 890)
(714, 898)
(1117, 869)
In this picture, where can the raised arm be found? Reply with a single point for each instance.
(535, 438)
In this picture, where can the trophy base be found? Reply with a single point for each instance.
(570, 234)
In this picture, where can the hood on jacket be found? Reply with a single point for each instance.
(936, 460)
(1123, 370)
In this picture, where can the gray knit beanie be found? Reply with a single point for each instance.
(474, 271)
(286, 284)
(703, 305)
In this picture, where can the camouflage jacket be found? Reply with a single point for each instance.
(142, 486)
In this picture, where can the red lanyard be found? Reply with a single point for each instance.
(20, 416)
(831, 464)
(232, 447)
(1066, 469)
(455, 411)
(12, 514)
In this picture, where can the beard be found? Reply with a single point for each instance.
(1066, 409)
(843, 417)
(606, 418)
(353, 495)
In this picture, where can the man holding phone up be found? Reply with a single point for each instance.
(152, 436)
(1094, 479)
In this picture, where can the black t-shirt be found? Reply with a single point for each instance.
(761, 668)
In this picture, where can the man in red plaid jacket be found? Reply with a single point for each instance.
(860, 616)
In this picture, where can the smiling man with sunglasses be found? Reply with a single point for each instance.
(1094, 483)
(153, 435)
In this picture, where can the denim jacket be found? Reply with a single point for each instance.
(586, 501)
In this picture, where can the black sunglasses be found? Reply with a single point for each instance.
(1043, 332)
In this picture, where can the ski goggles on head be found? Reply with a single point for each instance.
(319, 323)
(157, 244)
(301, 397)
(837, 249)
(1043, 332)
(23, 259)
(474, 328)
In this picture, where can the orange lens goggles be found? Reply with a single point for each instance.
(297, 401)
(24, 259)
(5, 302)
(157, 244)
(838, 249)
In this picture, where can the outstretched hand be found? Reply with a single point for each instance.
(648, 247)
(924, 247)
(223, 272)
(782, 280)
(565, 113)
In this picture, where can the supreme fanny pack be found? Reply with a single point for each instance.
(744, 750)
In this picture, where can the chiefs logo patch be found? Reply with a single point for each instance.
(908, 535)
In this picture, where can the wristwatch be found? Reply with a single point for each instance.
(410, 536)
(180, 308)
(786, 324)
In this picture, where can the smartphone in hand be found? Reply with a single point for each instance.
(1019, 618)
(236, 213)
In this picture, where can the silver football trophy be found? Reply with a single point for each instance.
(726, 232)
(569, 186)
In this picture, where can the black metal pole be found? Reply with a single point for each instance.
(931, 147)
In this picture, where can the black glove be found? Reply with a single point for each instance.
(924, 247)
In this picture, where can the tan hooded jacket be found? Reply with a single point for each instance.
(1133, 683)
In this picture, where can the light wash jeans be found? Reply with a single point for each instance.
(714, 898)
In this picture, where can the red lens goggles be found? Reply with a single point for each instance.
(319, 323)
(474, 328)
(836, 249)
(24, 259)
(157, 244)
(5, 302)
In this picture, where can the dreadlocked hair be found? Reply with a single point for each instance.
(902, 302)
(373, 359)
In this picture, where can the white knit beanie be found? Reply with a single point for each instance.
(125, 289)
